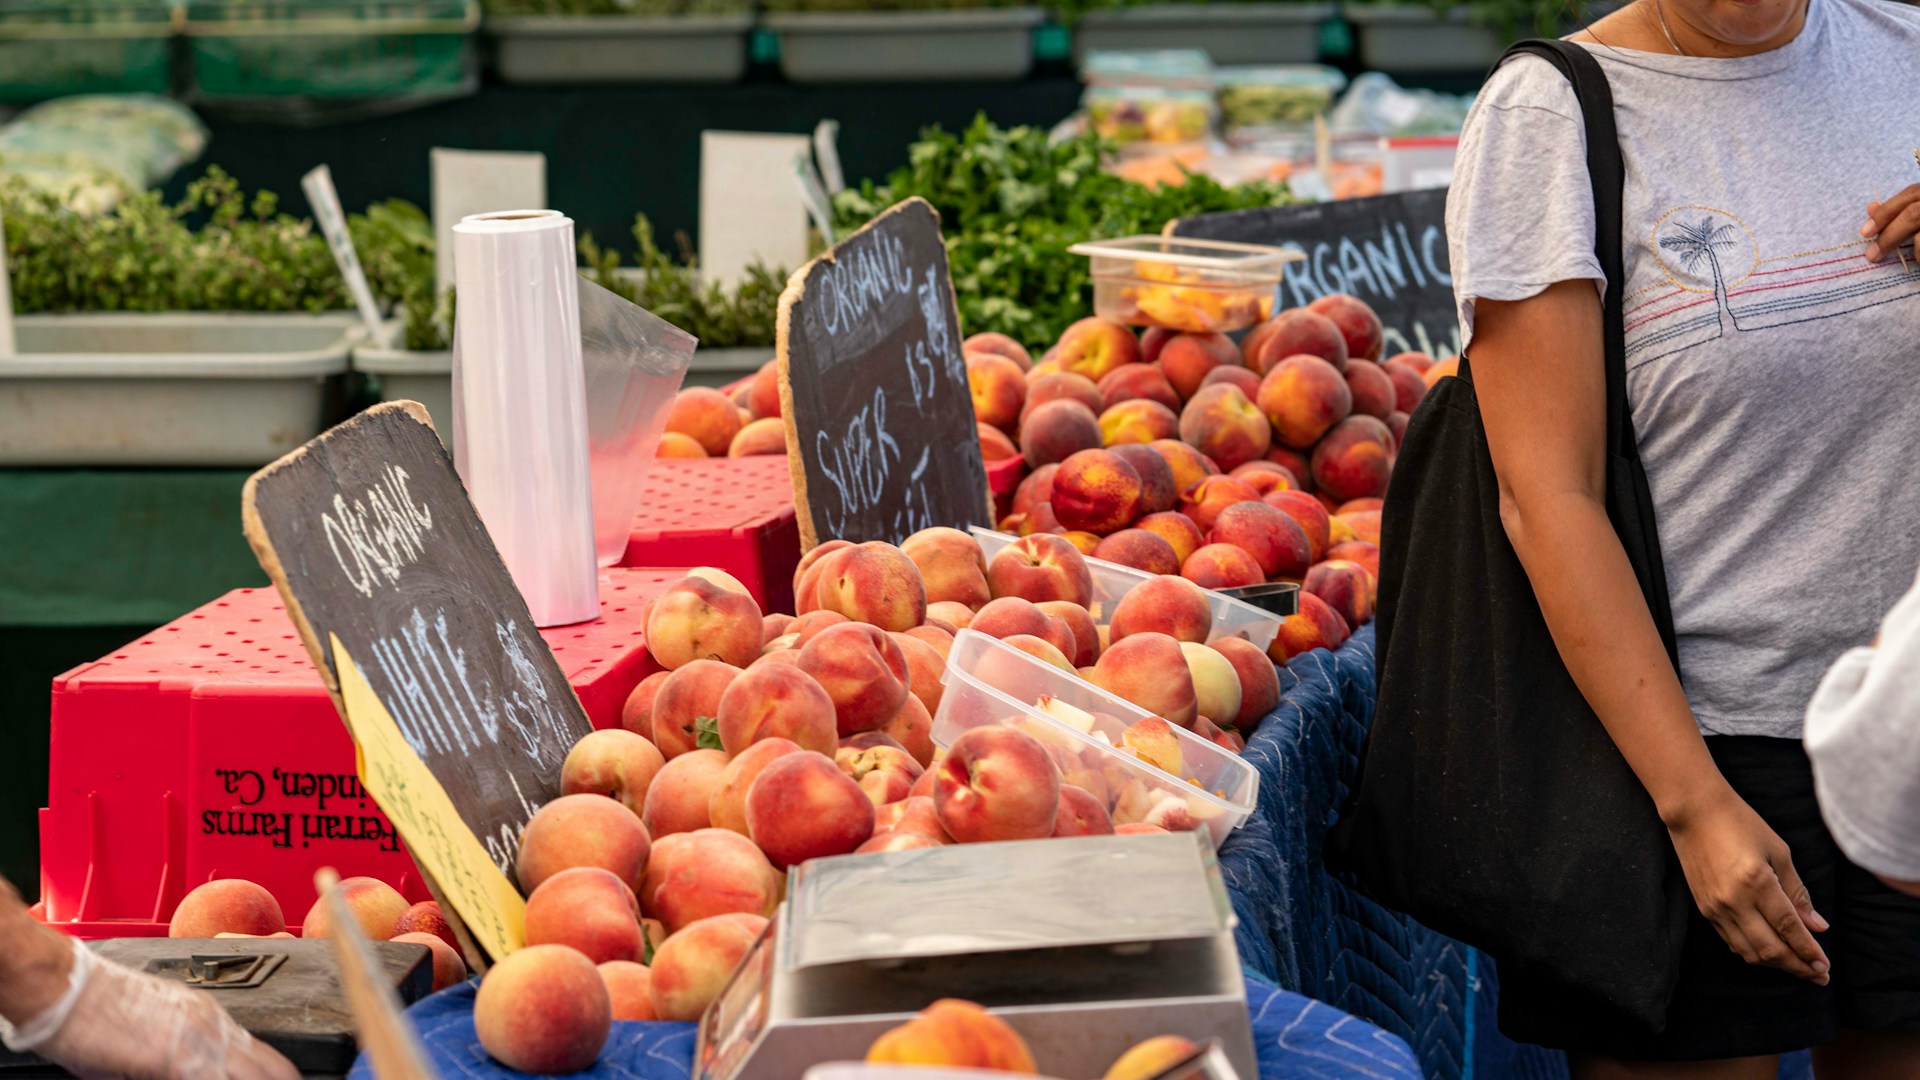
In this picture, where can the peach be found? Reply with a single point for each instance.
(1364, 523)
(1254, 338)
(1372, 388)
(914, 814)
(1001, 345)
(1095, 346)
(1224, 738)
(1338, 531)
(1081, 814)
(678, 800)
(952, 613)
(1137, 382)
(1314, 626)
(1224, 425)
(1359, 327)
(1418, 361)
(1440, 370)
(1360, 506)
(803, 807)
(763, 397)
(1040, 567)
(374, 903)
(1177, 529)
(1397, 422)
(1259, 682)
(1158, 491)
(1060, 386)
(543, 1009)
(1166, 605)
(693, 965)
(1345, 586)
(1152, 340)
(1153, 739)
(1040, 519)
(228, 906)
(588, 909)
(1268, 534)
(1216, 685)
(1083, 541)
(688, 699)
(1044, 650)
(912, 728)
(1139, 549)
(1204, 501)
(1354, 460)
(636, 715)
(1296, 462)
(1148, 669)
(425, 917)
(584, 830)
(874, 583)
(696, 619)
(1035, 487)
(1152, 1057)
(994, 444)
(1010, 615)
(448, 968)
(1303, 397)
(1306, 512)
(862, 670)
(704, 415)
(1079, 623)
(884, 773)
(996, 783)
(629, 989)
(1221, 566)
(708, 872)
(1409, 387)
(807, 562)
(950, 564)
(675, 445)
(999, 389)
(1189, 466)
(1186, 359)
(1057, 429)
(727, 806)
(760, 437)
(925, 666)
(772, 627)
(613, 762)
(1359, 551)
(1137, 422)
(1246, 379)
(1096, 491)
(1300, 331)
(955, 1034)
(898, 840)
(806, 626)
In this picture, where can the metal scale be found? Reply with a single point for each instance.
(1086, 946)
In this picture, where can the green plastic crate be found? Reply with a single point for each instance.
(331, 49)
(51, 48)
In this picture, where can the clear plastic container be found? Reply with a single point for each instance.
(990, 683)
(1231, 617)
(1193, 286)
(1264, 96)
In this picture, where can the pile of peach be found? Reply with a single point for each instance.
(961, 1035)
(704, 422)
(1230, 465)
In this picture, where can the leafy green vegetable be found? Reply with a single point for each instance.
(672, 289)
(1011, 203)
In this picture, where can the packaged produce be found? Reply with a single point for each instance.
(1254, 97)
(1195, 286)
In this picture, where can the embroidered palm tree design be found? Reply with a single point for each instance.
(1704, 241)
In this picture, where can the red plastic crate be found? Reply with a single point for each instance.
(732, 513)
(209, 748)
(1004, 477)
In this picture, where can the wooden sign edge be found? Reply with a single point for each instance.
(263, 550)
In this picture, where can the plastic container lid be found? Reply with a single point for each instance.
(860, 1070)
(1222, 261)
(1231, 617)
(990, 683)
(1147, 67)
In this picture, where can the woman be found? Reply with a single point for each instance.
(1773, 372)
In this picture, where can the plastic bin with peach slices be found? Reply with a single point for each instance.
(1190, 286)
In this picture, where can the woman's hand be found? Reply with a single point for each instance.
(1743, 881)
(1892, 223)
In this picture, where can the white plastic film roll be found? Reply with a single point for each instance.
(519, 403)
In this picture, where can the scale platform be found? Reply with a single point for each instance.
(1085, 945)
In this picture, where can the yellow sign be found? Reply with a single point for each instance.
(426, 819)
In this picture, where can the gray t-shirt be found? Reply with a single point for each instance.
(1774, 375)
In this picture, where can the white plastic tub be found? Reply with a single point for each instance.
(990, 683)
(1231, 617)
(985, 45)
(537, 49)
(179, 389)
(1230, 33)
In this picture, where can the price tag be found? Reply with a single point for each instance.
(325, 201)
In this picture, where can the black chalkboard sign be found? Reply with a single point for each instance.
(880, 429)
(369, 535)
(1389, 250)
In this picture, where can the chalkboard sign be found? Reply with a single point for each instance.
(1389, 250)
(368, 533)
(880, 429)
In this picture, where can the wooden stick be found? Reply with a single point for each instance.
(385, 1034)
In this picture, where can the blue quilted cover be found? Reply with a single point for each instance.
(1296, 1038)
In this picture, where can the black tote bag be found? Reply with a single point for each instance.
(1491, 804)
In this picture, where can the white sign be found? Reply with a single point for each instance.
(325, 201)
(6, 298)
(478, 182)
(750, 210)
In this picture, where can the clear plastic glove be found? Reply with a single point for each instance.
(116, 1022)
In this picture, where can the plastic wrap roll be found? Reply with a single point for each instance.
(520, 410)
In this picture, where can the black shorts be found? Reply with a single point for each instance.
(1726, 1008)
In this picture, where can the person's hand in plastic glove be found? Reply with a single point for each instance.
(98, 1019)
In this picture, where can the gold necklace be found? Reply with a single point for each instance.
(1661, 14)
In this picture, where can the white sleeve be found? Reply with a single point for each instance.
(1863, 735)
(1520, 210)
